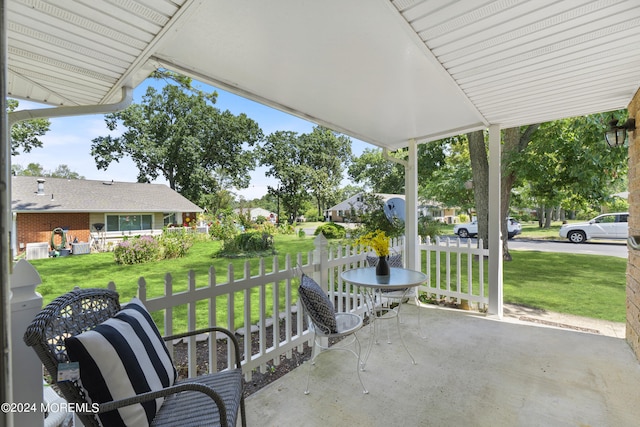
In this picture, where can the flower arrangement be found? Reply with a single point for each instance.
(377, 240)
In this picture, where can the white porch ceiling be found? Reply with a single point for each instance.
(378, 70)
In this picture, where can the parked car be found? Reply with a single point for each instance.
(470, 229)
(605, 226)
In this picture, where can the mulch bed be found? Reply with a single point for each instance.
(258, 378)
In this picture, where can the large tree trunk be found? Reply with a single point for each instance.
(480, 174)
(514, 143)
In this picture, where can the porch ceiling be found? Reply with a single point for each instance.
(378, 70)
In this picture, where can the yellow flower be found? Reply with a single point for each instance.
(377, 240)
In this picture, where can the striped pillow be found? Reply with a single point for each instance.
(122, 357)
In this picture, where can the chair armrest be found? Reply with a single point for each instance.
(231, 335)
(152, 395)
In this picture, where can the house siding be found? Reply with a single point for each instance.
(37, 227)
(633, 263)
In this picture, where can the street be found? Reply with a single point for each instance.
(595, 247)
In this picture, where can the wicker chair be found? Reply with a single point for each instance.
(212, 399)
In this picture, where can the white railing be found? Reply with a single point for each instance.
(456, 271)
(265, 300)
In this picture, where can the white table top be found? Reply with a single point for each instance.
(399, 278)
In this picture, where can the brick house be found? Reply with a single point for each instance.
(82, 209)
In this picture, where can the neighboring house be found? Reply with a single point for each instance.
(254, 213)
(347, 211)
(85, 209)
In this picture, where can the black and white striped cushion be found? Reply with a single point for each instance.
(318, 305)
(122, 357)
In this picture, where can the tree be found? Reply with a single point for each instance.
(182, 137)
(327, 153)
(446, 180)
(287, 162)
(480, 180)
(515, 141)
(568, 164)
(24, 134)
(36, 169)
(307, 165)
(377, 173)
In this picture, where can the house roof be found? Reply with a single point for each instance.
(383, 71)
(254, 212)
(355, 201)
(78, 195)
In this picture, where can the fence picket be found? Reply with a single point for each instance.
(266, 290)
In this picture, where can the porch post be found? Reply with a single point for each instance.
(495, 243)
(5, 224)
(26, 303)
(411, 207)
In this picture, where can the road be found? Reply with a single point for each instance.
(595, 247)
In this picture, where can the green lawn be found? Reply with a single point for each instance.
(585, 285)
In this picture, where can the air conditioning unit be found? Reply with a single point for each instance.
(37, 250)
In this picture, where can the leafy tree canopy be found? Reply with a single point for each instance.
(24, 134)
(306, 166)
(36, 169)
(182, 137)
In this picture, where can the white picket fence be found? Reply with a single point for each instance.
(270, 297)
(264, 299)
(454, 279)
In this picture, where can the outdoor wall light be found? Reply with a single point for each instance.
(617, 134)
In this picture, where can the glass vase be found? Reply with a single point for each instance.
(382, 268)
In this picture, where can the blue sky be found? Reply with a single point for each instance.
(69, 140)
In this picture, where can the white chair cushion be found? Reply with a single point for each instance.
(122, 357)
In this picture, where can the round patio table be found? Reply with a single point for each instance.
(400, 280)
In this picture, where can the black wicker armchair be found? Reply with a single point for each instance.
(208, 400)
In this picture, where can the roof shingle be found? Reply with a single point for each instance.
(78, 195)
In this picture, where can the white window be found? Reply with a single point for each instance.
(129, 222)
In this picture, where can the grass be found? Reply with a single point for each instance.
(585, 285)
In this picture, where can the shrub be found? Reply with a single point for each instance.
(224, 228)
(331, 230)
(249, 242)
(430, 228)
(175, 244)
(137, 250)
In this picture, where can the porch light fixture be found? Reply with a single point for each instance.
(617, 134)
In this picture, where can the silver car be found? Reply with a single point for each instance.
(605, 226)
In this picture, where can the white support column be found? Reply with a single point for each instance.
(411, 207)
(495, 243)
(6, 386)
(26, 370)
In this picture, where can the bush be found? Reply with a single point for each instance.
(224, 228)
(250, 242)
(175, 244)
(429, 228)
(331, 230)
(137, 250)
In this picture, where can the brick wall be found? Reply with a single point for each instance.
(633, 264)
(37, 227)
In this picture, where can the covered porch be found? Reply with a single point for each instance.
(471, 370)
(394, 74)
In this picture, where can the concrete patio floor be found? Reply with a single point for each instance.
(471, 370)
